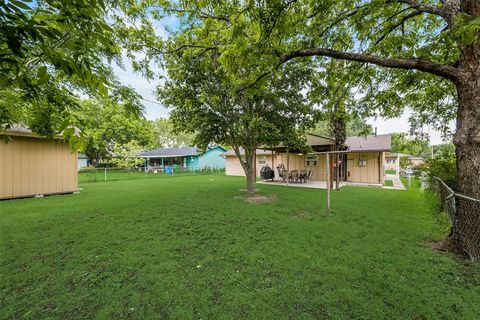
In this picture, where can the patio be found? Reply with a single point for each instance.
(309, 184)
(319, 184)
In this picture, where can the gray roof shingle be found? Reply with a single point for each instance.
(381, 142)
(231, 152)
(170, 152)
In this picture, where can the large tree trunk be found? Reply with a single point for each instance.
(466, 227)
(248, 165)
(250, 170)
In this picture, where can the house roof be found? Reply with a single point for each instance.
(175, 152)
(381, 142)
(258, 152)
(403, 155)
(170, 152)
(318, 140)
(415, 158)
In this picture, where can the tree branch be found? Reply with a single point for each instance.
(444, 71)
(395, 26)
(201, 14)
(428, 8)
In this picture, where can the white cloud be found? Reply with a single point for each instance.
(401, 124)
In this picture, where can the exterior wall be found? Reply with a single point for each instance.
(31, 166)
(299, 162)
(372, 172)
(416, 162)
(82, 163)
(234, 168)
(193, 162)
(392, 166)
(212, 159)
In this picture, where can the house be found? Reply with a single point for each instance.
(234, 168)
(392, 161)
(188, 158)
(363, 161)
(82, 161)
(416, 161)
(31, 165)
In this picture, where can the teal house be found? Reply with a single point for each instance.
(186, 158)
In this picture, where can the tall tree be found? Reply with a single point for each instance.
(164, 135)
(49, 52)
(105, 125)
(425, 56)
(206, 103)
(402, 143)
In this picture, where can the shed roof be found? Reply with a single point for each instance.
(381, 142)
(20, 130)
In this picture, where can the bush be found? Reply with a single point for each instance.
(443, 166)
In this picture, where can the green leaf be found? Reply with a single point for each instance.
(20, 4)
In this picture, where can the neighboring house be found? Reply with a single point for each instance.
(189, 158)
(32, 165)
(362, 163)
(82, 161)
(392, 160)
(416, 161)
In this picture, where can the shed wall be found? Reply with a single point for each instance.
(372, 172)
(31, 166)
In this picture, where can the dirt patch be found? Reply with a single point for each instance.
(245, 190)
(301, 215)
(261, 198)
(442, 246)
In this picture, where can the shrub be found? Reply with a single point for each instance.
(443, 166)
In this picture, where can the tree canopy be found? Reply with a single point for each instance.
(50, 52)
(106, 125)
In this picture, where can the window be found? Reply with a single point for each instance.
(262, 161)
(391, 161)
(362, 163)
(312, 160)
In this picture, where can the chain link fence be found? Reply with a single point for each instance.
(104, 174)
(464, 213)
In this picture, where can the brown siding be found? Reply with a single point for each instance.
(30, 166)
(299, 162)
(234, 168)
(370, 173)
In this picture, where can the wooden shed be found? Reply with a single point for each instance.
(31, 165)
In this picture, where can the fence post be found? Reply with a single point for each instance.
(105, 175)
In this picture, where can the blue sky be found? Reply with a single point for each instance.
(146, 89)
(154, 111)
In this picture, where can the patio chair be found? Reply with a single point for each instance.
(302, 177)
(281, 174)
(309, 176)
(294, 176)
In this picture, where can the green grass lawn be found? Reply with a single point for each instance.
(99, 175)
(388, 183)
(190, 247)
(390, 171)
(415, 182)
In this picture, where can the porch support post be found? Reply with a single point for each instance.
(327, 166)
(288, 166)
(273, 167)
